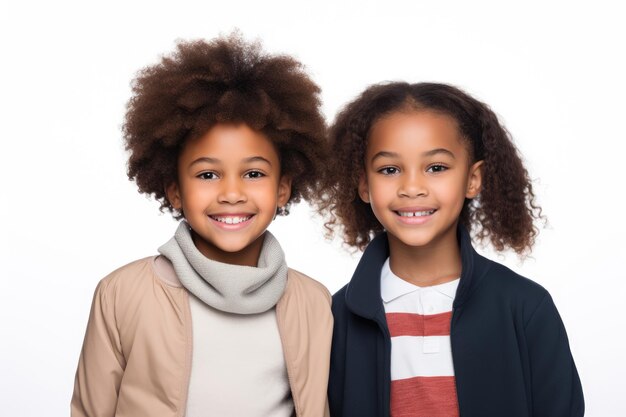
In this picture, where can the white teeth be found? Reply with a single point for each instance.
(231, 219)
(415, 213)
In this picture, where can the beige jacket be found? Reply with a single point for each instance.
(136, 357)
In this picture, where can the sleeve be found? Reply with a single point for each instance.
(336, 379)
(330, 303)
(556, 388)
(101, 364)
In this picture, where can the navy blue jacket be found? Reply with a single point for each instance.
(509, 347)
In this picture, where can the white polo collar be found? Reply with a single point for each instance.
(392, 286)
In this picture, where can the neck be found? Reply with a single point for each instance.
(436, 263)
(248, 256)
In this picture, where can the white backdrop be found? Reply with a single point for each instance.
(553, 71)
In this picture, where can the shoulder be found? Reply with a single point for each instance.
(520, 292)
(339, 307)
(128, 274)
(133, 280)
(136, 291)
(339, 298)
(512, 282)
(306, 286)
(304, 302)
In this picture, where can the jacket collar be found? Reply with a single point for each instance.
(363, 292)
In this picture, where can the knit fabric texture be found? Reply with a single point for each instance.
(226, 287)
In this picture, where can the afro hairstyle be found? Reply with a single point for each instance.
(226, 80)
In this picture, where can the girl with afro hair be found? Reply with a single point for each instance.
(225, 137)
(427, 326)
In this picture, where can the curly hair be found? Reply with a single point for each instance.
(225, 80)
(504, 212)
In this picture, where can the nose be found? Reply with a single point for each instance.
(412, 185)
(232, 192)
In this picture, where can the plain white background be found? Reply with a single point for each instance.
(553, 71)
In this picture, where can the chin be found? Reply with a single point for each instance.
(415, 243)
(233, 247)
(412, 240)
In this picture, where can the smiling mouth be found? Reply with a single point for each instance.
(415, 213)
(231, 219)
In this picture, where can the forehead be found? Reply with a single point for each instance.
(415, 131)
(230, 142)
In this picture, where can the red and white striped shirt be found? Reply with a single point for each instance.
(422, 374)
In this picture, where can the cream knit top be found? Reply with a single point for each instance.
(238, 367)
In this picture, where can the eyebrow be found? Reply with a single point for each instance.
(210, 160)
(205, 159)
(387, 154)
(257, 159)
(438, 151)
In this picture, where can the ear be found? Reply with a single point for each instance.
(172, 193)
(474, 180)
(364, 189)
(284, 190)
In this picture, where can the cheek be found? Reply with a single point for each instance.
(380, 191)
(453, 192)
(264, 194)
(196, 192)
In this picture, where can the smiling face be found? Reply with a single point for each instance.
(229, 186)
(417, 176)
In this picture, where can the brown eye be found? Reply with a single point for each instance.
(389, 170)
(254, 174)
(207, 175)
(437, 168)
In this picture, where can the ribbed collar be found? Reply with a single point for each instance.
(226, 287)
(363, 295)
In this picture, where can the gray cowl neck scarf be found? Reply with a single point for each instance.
(230, 288)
